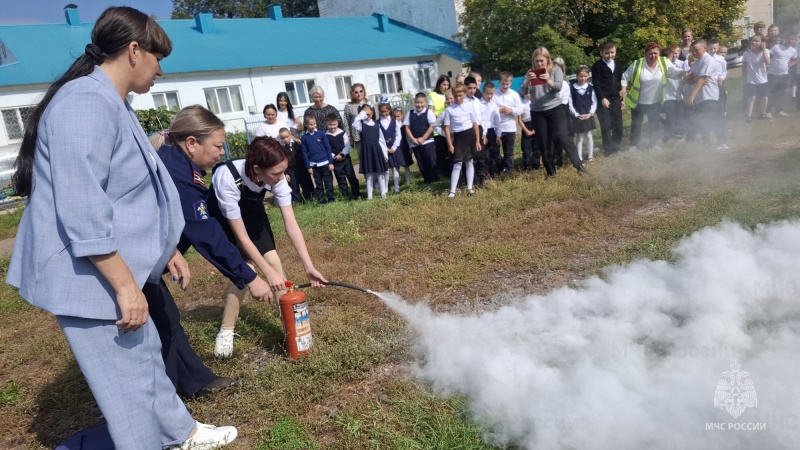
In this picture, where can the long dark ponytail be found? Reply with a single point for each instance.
(114, 30)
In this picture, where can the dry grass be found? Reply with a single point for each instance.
(521, 235)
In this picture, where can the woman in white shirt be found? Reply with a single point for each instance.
(237, 202)
(270, 127)
(644, 84)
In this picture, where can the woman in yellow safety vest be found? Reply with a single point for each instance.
(643, 85)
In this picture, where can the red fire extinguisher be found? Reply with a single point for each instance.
(296, 323)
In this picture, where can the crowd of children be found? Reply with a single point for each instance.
(459, 128)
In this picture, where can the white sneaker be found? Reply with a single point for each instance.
(451, 195)
(208, 437)
(722, 147)
(223, 346)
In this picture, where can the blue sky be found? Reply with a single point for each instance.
(52, 11)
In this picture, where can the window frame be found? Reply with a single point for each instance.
(425, 78)
(292, 93)
(347, 85)
(217, 107)
(164, 95)
(20, 122)
(396, 78)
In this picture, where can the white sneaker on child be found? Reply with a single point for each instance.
(208, 437)
(223, 345)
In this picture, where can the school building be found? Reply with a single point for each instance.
(237, 66)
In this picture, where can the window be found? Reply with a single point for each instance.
(424, 77)
(343, 85)
(224, 99)
(167, 100)
(14, 121)
(298, 91)
(391, 82)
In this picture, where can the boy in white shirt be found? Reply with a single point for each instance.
(491, 139)
(754, 72)
(509, 105)
(704, 96)
(781, 55)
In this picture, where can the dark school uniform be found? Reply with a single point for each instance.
(583, 105)
(293, 153)
(251, 207)
(206, 235)
(317, 153)
(418, 124)
(374, 161)
(396, 159)
(607, 84)
(343, 169)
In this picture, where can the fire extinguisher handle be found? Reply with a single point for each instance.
(333, 283)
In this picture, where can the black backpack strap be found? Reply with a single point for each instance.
(237, 177)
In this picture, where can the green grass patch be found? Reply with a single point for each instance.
(10, 393)
(287, 434)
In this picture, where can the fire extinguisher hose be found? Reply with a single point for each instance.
(333, 283)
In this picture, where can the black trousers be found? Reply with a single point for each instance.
(673, 122)
(653, 113)
(508, 139)
(426, 159)
(491, 154)
(530, 149)
(184, 368)
(304, 182)
(323, 184)
(550, 124)
(444, 161)
(291, 173)
(611, 125)
(346, 174)
(705, 120)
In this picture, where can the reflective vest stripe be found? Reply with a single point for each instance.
(632, 99)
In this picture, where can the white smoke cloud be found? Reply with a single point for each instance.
(632, 361)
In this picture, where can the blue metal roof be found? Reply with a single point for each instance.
(45, 51)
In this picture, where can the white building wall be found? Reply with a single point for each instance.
(258, 87)
(434, 16)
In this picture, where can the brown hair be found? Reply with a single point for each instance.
(264, 152)
(651, 45)
(459, 87)
(190, 121)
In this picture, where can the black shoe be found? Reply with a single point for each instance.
(582, 170)
(219, 384)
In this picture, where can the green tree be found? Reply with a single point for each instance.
(186, 9)
(156, 119)
(504, 33)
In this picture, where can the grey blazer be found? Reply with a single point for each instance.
(99, 187)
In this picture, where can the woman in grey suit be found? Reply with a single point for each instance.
(103, 217)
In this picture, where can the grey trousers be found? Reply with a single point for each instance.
(126, 375)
